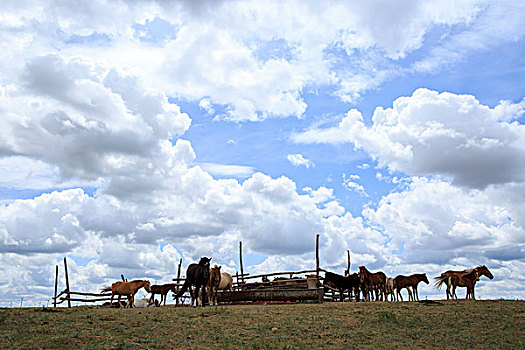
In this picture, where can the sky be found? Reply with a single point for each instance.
(136, 133)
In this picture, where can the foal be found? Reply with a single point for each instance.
(213, 284)
(163, 290)
(409, 282)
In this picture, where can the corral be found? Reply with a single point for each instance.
(298, 286)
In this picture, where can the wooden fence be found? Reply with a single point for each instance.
(298, 286)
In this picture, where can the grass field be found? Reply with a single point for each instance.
(443, 324)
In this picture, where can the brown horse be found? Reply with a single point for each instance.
(372, 281)
(451, 281)
(409, 282)
(127, 288)
(213, 284)
(163, 290)
(467, 279)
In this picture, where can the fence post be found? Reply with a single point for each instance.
(240, 261)
(56, 286)
(178, 279)
(348, 256)
(67, 284)
(317, 255)
(129, 297)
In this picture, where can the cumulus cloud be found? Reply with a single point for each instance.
(353, 47)
(431, 133)
(96, 117)
(84, 102)
(436, 222)
(299, 160)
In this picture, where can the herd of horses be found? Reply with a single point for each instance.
(202, 280)
(377, 286)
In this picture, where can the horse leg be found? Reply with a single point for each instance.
(204, 294)
(197, 295)
(399, 295)
(416, 296)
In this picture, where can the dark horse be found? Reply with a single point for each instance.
(196, 275)
(350, 283)
(372, 282)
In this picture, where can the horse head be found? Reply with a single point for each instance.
(205, 262)
(363, 272)
(215, 275)
(147, 286)
(424, 278)
(483, 270)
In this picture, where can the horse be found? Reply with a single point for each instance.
(213, 284)
(390, 289)
(467, 279)
(446, 278)
(127, 288)
(143, 303)
(372, 281)
(226, 281)
(409, 282)
(342, 283)
(196, 275)
(163, 290)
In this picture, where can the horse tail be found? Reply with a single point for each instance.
(185, 287)
(439, 281)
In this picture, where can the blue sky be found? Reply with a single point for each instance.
(393, 130)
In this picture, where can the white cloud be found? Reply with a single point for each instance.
(349, 181)
(436, 222)
(223, 52)
(84, 100)
(431, 133)
(298, 160)
(221, 170)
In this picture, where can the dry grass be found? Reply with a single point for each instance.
(457, 324)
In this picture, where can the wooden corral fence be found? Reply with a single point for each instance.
(297, 286)
(303, 285)
(82, 297)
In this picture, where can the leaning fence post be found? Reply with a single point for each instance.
(129, 297)
(67, 284)
(56, 286)
(348, 256)
(317, 255)
(178, 279)
(240, 261)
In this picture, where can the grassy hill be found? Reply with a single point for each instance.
(443, 324)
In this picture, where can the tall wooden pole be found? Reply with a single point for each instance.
(178, 279)
(67, 284)
(56, 286)
(240, 261)
(348, 256)
(317, 255)
(129, 297)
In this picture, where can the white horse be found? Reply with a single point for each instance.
(390, 289)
